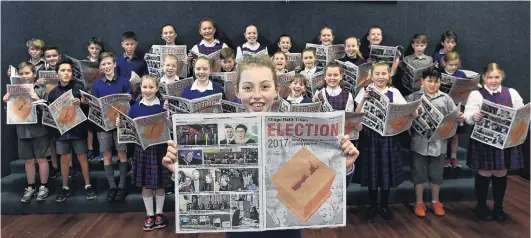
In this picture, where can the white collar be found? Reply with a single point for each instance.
(498, 90)
(422, 56)
(164, 79)
(375, 88)
(251, 47)
(441, 51)
(195, 86)
(312, 70)
(333, 91)
(295, 100)
(155, 101)
(203, 42)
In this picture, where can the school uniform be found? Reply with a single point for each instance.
(33, 141)
(340, 99)
(380, 161)
(457, 73)
(418, 61)
(208, 48)
(75, 139)
(193, 91)
(438, 56)
(353, 59)
(298, 100)
(308, 73)
(125, 65)
(246, 47)
(39, 65)
(428, 158)
(148, 170)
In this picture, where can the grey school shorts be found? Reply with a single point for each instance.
(108, 139)
(34, 148)
(65, 147)
(424, 167)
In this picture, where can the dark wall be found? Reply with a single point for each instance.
(488, 31)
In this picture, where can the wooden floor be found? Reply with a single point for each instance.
(458, 222)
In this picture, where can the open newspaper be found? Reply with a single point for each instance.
(284, 80)
(412, 75)
(248, 54)
(315, 82)
(51, 78)
(64, 113)
(155, 59)
(294, 61)
(232, 107)
(214, 56)
(144, 131)
(387, 119)
(85, 71)
(13, 72)
(175, 88)
(228, 81)
(102, 111)
(458, 88)
(326, 54)
(502, 127)
(432, 124)
(209, 104)
(255, 172)
(387, 54)
(20, 109)
(355, 76)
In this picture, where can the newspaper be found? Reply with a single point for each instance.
(248, 54)
(284, 80)
(51, 78)
(176, 88)
(502, 127)
(315, 82)
(256, 172)
(352, 119)
(144, 131)
(387, 119)
(209, 104)
(232, 107)
(388, 54)
(326, 54)
(102, 110)
(214, 56)
(85, 71)
(228, 81)
(16, 80)
(355, 76)
(458, 88)
(20, 109)
(432, 125)
(65, 114)
(13, 71)
(412, 75)
(155, 59)
(294, 61)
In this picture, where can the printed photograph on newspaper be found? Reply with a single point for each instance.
(20, 109)
(388, 54)
(51, 77)
(65, 114)
(149, 130)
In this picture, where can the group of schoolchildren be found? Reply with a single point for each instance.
(380, 162)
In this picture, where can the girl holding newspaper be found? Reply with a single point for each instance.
(257, 88)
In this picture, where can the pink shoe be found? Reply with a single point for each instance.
(455, 163)
(447, 163)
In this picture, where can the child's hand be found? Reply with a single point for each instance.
(34, 96)
(478, 116)
(349, 150)
(117, 121)
(366, 93)
(166, 105)
(415, 113)
(480, 86)
(76, 101)
(41, 81)
(358, 127)
(460, 119)
(6, 97)
(83, 100)
(8, 73)
(189, 58)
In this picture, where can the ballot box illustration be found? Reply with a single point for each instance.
(303, 183)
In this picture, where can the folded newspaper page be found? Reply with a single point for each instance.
(268, 171)
(432, 125)
(412, 75)
(209, 104)
(232, 107)
(144, 131)
(228, 81)
(14, 80)
(326, 54)
(155, 59)
(65, 114)
(388, 119)
(214, 56)
(502, 127)
(315, 82)
(247, 54)
(458, 88)
(355, 76)
(102, 110)
(294, 61)
(51, 77)
(85, 71)
(176, 88)
(388, 54)
(284, 80)
(13, 71)
(20, 109)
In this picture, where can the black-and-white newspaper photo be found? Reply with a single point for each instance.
(432, 124)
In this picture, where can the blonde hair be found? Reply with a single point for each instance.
(359, 43)
(382, 63)
(262, 61)
(106, 55)
(173, 57)
(26, 64)
(37, 43)
(210, 62)
(491, 67)
(451, 56)
(150, 77)
(279, 53)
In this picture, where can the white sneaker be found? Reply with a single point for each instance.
(29, 193)
(43, 193)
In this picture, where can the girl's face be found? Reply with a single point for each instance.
(375, 36)
(94, 50)
(284, 44)
(107, 66)
(207, 30)
(52, 57)
(202, 70)
(251, 34)
(448, 44)
(35, 53)
(351, 47)
(380, 76)
(326, 36)
(280, 62)
(419, 47)
(257, 89)
(431, 85)
(170, 67)
(297, 88)
(168, 34)
(308, 58)
(333, 76)
(240, 133)
(27, 76)
(451, 66)
(149, 89)
(493, 79)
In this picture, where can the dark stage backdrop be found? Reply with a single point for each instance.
(488, 31)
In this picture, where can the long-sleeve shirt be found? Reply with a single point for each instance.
(475, 100)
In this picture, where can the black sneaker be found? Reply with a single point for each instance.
(160, 221)
(120, 195)
(483, 212)
(111, 194)
(54, 173)
(370, 213)
(498, 214)
(91, 194)
(72, 172)
(149, 223)
(386, 213)
(62, 195)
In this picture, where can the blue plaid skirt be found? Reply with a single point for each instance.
(485, 157)
(148, 170)
(380, 162)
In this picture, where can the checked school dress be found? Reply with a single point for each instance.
(485, 157)
(380, 162)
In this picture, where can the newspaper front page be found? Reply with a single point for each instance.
(144, 131)
(102, 110)
(51, 77)
(20, 109)
(176, 88)
(64, 113)
(294, 61)
(209, 104)
(214, 56)
(284, 80)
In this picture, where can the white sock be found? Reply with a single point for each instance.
(159, 200)
(65, 187)
(148, 202)
(433, 201)
(454, 156)
(86, 186)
